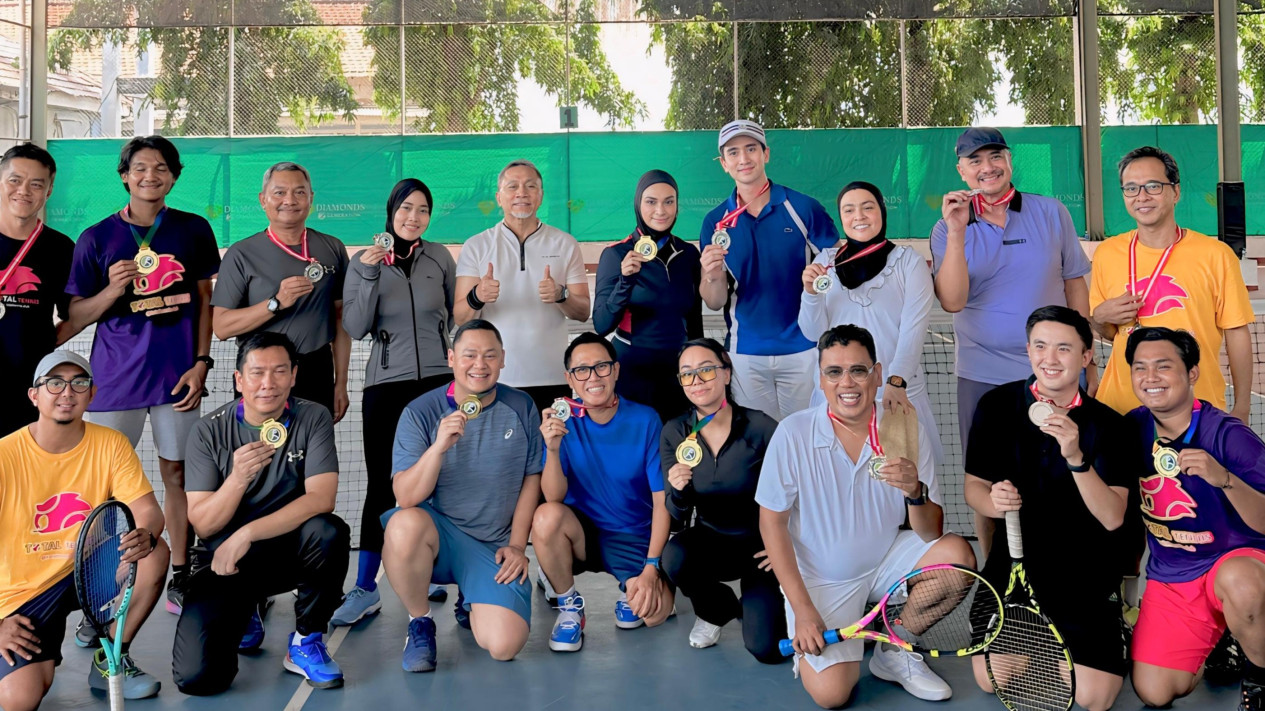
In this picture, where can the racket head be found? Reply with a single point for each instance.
(1029, 664)
(943, 610)
(101, 577)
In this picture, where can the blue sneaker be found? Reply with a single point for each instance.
(357, 605)
(419, 646)
(254, 637)
(625, 619)
(568, 629)
(460, 612)
(310, 660)
(437, 593)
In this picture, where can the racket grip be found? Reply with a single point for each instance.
(1014, 536)
(116, 691)
(787, 646)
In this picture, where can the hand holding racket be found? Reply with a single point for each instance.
(943, 610)
(105, 572)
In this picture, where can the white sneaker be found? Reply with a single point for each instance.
(910, 671)
(704, 634)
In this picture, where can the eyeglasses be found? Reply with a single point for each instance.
(856, 373)
(584, 372)
(57, 386)
(1153, 187)
(706, 374)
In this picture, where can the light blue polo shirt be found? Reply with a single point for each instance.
(1013, 271)
(767, 255)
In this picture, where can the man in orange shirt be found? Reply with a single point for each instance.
(52, 474)
(1163, 275)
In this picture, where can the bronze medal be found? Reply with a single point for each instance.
(1165, 459)
(471, 407)
(146, 261)
(689, 452)
(561, 410)
(646, 248)
(274, 433)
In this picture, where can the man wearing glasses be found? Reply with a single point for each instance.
(604, 507)
(832, 502)
(1171, 276)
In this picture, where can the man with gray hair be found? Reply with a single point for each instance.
(289, 279)
(528, 278)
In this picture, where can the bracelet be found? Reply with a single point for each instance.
(1084, 467)
(653, 561)
(1229, 481)
(473, 300)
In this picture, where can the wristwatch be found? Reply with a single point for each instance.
(210, 362)
(897, 382)
(922, 495)
(565, 292)
(1084, 467)
(274, 305)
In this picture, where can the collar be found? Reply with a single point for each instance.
(540, 225)
(777, 196)
(1028, 399)
(1015, 205)
(823, 431)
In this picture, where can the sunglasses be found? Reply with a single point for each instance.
(706, 374)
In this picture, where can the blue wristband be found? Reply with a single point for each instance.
(652, 562)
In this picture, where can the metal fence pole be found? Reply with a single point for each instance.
(904, 83)
(736, 114)
(39, 72)
(1229, 146)
(232, 79)
(1088, 114)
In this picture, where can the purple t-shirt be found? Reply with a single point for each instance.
(146, 341)
(1190, 523)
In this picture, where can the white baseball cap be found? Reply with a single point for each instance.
(56, 358)
(741, 127)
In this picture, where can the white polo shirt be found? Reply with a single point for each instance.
(535, 333)
(842, 521)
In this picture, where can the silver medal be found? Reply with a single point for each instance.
(314, 272)
(384, 240)
(561, 410)
(721, 238)
(823, 283)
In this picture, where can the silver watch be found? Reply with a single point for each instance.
(274, 305)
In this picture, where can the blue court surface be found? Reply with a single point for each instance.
(637, 670)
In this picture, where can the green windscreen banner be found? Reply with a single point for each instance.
(590, 178)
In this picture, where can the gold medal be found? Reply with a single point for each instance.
(1165, 459)
(1039, 412)
(876, 463)
(721, 238)
(314, 272)
(823, 283)
(561, 410)
(689, 452)
(471, 406)
(646, 247)
(146, 261)
(274, 433)
(384, 240)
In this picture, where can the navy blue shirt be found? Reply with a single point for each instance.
(767, 255)
(659, 307)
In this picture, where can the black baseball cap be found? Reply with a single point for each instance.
(975, 138)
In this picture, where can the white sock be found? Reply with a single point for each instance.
(411, 618)
(296, 638)
(570, 591)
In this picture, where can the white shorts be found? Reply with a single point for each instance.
(777, 385)
(842, 604)
(170, 428)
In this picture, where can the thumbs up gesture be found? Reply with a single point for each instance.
(488, 289)
(550, 292)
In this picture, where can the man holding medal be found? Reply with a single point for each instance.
(1203, 502)
(1170, 276)
(831, 509)
(262, 479)
(34, 267)
(755, 246)
(1043, 447)
(467, 479)
(289, 279)
(604, 507)
(143, 275)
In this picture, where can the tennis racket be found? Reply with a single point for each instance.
(943, 610)
(1028, 662)
(103, 583)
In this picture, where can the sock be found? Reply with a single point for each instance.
(128, 645)
(180, 569)
(1253, 674)
(368, 570)
(297, 637)
(411, 618)
(570, 591)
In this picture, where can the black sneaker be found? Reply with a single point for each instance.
(1251, 696)
(175, 592)
(460, 612)
(1225, 662)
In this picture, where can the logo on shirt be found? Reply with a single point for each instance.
(23, 281)
(295, 456)
(167, 272)
(1165, 499)
(60, 511)
(509, 433)
(1164, 297)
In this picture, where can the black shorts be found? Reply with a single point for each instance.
(48, 612)
(1093, 629)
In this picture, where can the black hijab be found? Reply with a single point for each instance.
(859, 271)
(652, 177)
(399, 194)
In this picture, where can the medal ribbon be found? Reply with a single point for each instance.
(868, 250)
(979, 202)
(872, 439)
(452, 395)
(285, 415)
(143, 242)
(661, 242)
(1075, 403)
(1190, 431)
(285, 248)
(390, 258)
(577, 408)
(731, 218)
(17, 258)
(1157, 272)
(698, 426)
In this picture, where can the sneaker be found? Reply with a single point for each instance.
(704, 634)
(1225, 662)
(1251, 696)
(910, 671)
(136, 683)
(551, 595)
(175, 592)
(253, 639)
(310, 659)
(437, 593)
(624, 617)
(419, 646)
(357, 605)
(460, 612)
(85, 636)
(568, 629)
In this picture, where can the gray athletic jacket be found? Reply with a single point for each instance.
(409, 316)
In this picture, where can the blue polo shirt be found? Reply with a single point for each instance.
(613, 469)
(1013, 271)
(767, 255)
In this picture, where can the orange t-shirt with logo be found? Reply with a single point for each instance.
(1201, 291)
(45, 498)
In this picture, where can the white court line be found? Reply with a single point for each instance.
(335, 641)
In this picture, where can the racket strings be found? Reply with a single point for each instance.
(104, 575)
(1029, 664)
(943, 610)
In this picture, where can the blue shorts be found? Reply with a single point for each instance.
(471, 565)
(623, 555)
(48, 612)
